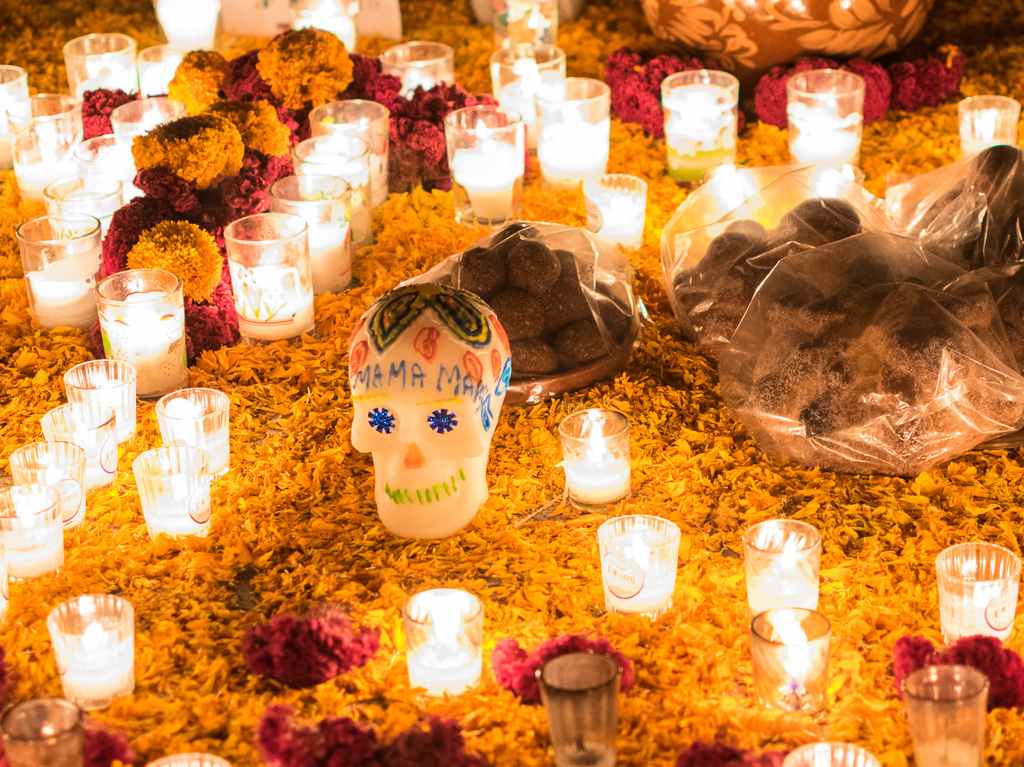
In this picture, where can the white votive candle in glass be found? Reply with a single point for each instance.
(46, 132)
(190, 760)
(574, 132)
(92, 428)
(366, 120)
(200, 418)
(700, 121)
(526, 22)
(174, 490)
(639, 556)
(76, 197)
(104, 60)
(31, 530)
(13, 97)
(60, 465)
(789, 646)
(782, 558)
(419, 65)
(444, 631)
(142, 322)
(109, 157)
(595, 456)
(142, 115)
(833, 755)
(335, 16)
(978, 585)
(93, 639)
(987, 121)
(189, 25)
(617, 209)
(520, 74)
(105, 385)
(157, 65)
(347, 156)
(825, 113)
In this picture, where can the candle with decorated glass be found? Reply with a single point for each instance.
(60, 465)
(639, 556)
(174, 490)
(700, 121)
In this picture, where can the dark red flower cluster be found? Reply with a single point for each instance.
(96, 108)
(516, 670)
(249, 191)
(341, 742)
(721, 755)
(928, 81)
(306, 651)
(160, 183)
(1004, 668)
(369, 82)
(102, 748)
(5, 679)
(635, 82)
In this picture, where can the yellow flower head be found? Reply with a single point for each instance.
(305, 66)
(258, 124)
(198, 79)
(183, 249)
(202, 150)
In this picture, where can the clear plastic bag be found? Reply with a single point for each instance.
(571, 317)
(870, 354)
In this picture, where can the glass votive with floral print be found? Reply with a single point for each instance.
(700, 121)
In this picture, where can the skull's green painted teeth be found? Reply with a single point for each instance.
(426, 495)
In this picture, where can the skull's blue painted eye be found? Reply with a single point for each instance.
(381, 420)
(442, 421)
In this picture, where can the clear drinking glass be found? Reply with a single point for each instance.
(46, 732)
(946, 708)
(92, 428)
(595, 456)
(105, 60)
(520, 74)
(617, 209)
(526, 22)
(978, 585)
(190, 760)
(580, 692)
(100, 198)
(189, 25)
(139, 117)
(5, 594)
(45, 133)
(31, 530)
(789, 646)
(157, 66)
(700, 121)
(987, 121)
(419, 65)
(60, 256)
(60, 465)
(174, 490)
(639, 557)
(109, 157)
(574, 132)
(347, 157)
(366, 120)
(444, 634)
(200, 418)
(825, 111)
(782, 559)
(105, 385)
(335, 16)
(13, 96)
(831, 755)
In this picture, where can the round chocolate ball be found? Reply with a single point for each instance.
(521, 314)
(533, 267)
(482, 271)
(565, 301)
(747, 228)
(580, 343)
(532, 356)
(820, 220)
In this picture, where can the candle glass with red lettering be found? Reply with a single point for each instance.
(104, 60)
(106, 385)
(366, 120)
(978, 587)
(789, 647)
(781, 559)
(60, 465)
(45, 731)
(520, 74)
(76, 197)
(200, 418)
(419, 64)
(139, 117)
(639, 557)
(487, 158)
(13, 97)
(595, 456)
(174, 490)
(157, 66)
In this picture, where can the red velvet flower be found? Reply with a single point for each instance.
(926, 81)
(438, 744)
(877, 87)
(243, 81)
(720, 755)
(369, 82)
(163, 184)
(102, 748)
(214, 324)
(127, 224)
(96, 108)
(249, 191)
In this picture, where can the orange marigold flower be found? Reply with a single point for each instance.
(183, 249)
(202, 150)
(305, 66)
(197, 81)
(259, 125)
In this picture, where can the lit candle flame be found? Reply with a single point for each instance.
(790, 633)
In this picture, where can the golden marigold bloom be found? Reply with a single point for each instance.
(183, 249)
(258, 123)
(197, 81)
(202, 150)
(305, 66)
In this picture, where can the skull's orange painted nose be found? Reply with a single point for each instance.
(413, 457)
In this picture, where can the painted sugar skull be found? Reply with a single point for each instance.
(429, 367)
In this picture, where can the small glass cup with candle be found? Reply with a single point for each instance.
(831, 755)
(189, 25)
(419, 65)
(105, 385)
(574, 132)
(617, 209)
(595, 455)
(93, 639)
(580, 692)
(825, 111)
(139, 117)
(444, 631)
(104, 60)
(92, 428)
(782, 559)
(346, 156)
(322, 202)
(366, 120)
(335, 16)
(520, 74)
(157, 65)
(31, 530)
(142, 322)
(487, 157)
(60, 465)
(987, 121)
(77, 197)
(700, 121)
(60, 257)
(5, 593)
(946, 708)
(174, 490)
(44, 731)
(46, 131)
(789, 646)
(268, 256)
(526, 22)
(13, 97)
(200, 418)
(190, 760)
(978, 585)
(639, 557)
(109, 157)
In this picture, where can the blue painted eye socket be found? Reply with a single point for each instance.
(442, 421)
(381, 420)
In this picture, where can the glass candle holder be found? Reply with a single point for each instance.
(93, 639)
(269, 260)
(13, 97)
(487, 157)
(105, 385)
(60, 258)
(174, 490)
(520, 74)
(978, 585)
(109, 157)
(789, 646)
(825, 111)
(157, 65)
(60, 465)
(617, 209)
(595, 455)
(700, 121)
(580, 692)
(335, 16)
(31, 530)
(188, 25)
(46, 132)
(987, 121)
(574, 132)
(366, 120)
(639, 556)
(348, 157)
(525, 22)
(419, 65)
(782, 559)
(93, 429)
(5, 594)
(76, 197)
(140, 117)
(946, 708)
(142, 322)
(45, 731)
(322, 202)
(444, 632)
(190, 760)
(105, 60)
(831, 755)
(199, 418)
